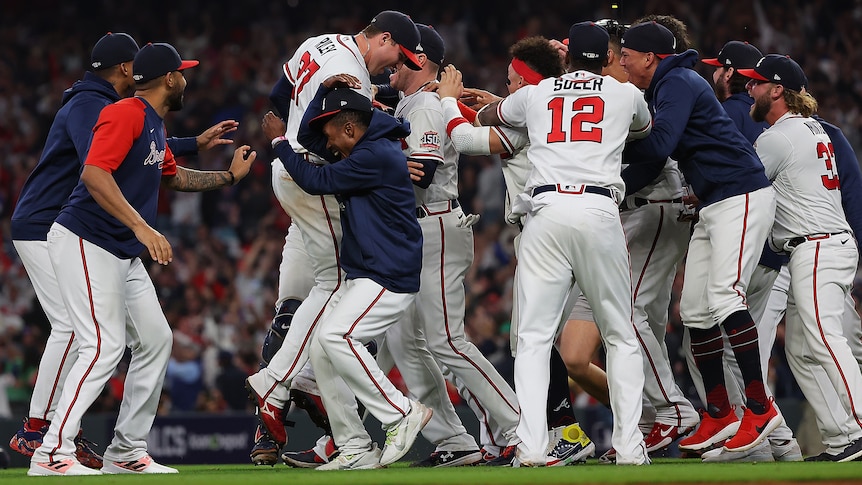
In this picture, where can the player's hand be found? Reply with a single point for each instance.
(451, 84)
(431, 86)
(156, 243)
(243, 157)
(272, 126)
(342, 81)
(383, 107)
(478, 98)
(415, 170)
(562, 48)
(213, 135)
(468, 220)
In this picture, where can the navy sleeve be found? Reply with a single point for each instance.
(281, 95)
(673, 106)
(182, 147)
(429, 167)
(386, 91)
(640, 171)
(80, 123)
(360, 171)
(314, 140)
(850, 176)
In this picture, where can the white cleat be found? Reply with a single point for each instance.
(401, 435)
(759, 454)
(363, 460)
(60, 468)
(141, 466)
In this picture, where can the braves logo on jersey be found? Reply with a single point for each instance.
(156, 156)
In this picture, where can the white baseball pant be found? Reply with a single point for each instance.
(112, 302)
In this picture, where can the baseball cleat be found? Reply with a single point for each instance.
(754, 428)
(785, 450)
(29, 437)
(401, 435)
(759, 454)
(574, 446)
(363, 460)
(711, 431)
(271, 417)
(852, 452)
(60, 468)
(489, 452)
(440, 459)
(662, 435)
(142, 466)
(507, 456)
(310, 458)
(265, 449)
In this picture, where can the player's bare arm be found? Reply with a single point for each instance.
(107, 194)
(488, 116)
(213, 135)
(478, 98)
(189, 180)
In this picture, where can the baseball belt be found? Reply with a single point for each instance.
(573, 190)
(422, 211)
(796, 241)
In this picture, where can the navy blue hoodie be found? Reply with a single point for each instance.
(55, 176)
(690, 126)
(381, 237)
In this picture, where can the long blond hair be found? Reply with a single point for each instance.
(800, 102)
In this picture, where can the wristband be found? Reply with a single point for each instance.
(232, 178)
(277, 140)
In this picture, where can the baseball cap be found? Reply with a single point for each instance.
(431, 44)
(613, 27)
(588, 40)
(154, 60)
(336, 101)
(736, 54)
(650, 37)
(403, 32)
(113, 49)
(778, 69)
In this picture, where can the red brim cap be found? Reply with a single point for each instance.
(712, 62)
(187, 64)
(318, 121)
(412, 61)
(752, 74)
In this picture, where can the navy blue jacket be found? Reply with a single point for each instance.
(849, 174)
(690, 126)
(55, 176)
(381, 237)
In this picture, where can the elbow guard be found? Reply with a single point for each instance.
(467, 139)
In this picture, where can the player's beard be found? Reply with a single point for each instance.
(175, 99)
(760, 108)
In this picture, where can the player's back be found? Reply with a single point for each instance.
(314, 61)
(798, 157)
(578, 125)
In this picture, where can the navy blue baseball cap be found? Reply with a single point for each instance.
(403, 32)
(650, 37)
(736, 54)
(431, 44)
(338, 100)
(778, 69)
(588, 40)
(113, 49)
(154, 60)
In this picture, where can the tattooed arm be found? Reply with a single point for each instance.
(189, 180)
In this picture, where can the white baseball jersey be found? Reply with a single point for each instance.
(797, 155)
(580, 98)
(516, 166)
(428, 141)
(315, 60)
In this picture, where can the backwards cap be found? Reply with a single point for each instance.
(650, 37)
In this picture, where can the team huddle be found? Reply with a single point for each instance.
(620, 161)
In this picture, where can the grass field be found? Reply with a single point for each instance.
(661, 471)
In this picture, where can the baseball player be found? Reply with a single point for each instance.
(94, 245)
(729, 87)
(737, 209)
(45, 191)
(577, 124)
(810, 225)
(447, 255)
(534, 59)
(656, 240)
(387, 41)
(381, 256)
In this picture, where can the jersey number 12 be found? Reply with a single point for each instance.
(588, 111)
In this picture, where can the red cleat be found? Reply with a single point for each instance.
(271, 418)
(711, 431)
(662, 435)
(754, 428)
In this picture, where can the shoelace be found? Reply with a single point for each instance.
(391, 434)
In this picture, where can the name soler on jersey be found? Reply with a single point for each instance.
(593, 84)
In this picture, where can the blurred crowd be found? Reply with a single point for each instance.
(218, 293)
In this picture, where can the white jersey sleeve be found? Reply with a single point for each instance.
(642, 120)
(314, 61)
(774, 150)
(512, 110)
